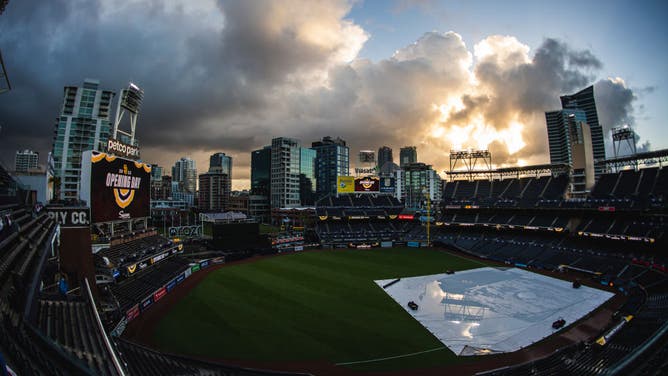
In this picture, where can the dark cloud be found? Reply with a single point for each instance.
(230, 75)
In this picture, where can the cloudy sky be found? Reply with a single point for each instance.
(230, 75)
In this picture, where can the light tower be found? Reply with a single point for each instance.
(130, 101)
(470, 158)
(623, 135)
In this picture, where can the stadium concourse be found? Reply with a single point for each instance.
(614, 237)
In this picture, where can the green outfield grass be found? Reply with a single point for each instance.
(309, 306)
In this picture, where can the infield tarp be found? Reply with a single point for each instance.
(490, 310)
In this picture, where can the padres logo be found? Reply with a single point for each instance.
(367, 183)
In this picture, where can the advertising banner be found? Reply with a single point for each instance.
(119, 188)
(146, 303)
(187, 273)
(170, 286)
(387, 185)
(185, 231)
(180, 278)
(368, 184)
(345, 184)
(159, 294)
(194, 268)
(132, 313)
(159, 257)
(413, 244)
(204, 264)
(69, 217)
(386, 244)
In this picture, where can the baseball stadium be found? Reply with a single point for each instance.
(503, 275)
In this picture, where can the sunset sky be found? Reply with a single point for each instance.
(230, 75)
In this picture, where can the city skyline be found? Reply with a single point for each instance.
(431, 74)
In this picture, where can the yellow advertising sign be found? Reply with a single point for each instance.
(345, 184)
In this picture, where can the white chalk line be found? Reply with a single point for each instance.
(392, 357)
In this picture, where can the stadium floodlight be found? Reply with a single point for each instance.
(130, 101)
(470, 159)
(623, 135)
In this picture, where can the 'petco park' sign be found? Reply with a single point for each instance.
(121, 149)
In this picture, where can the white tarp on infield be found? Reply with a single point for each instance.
(490, 310)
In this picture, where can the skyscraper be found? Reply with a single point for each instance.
(407, 155)
(219, 162)
(26, 160)
(332, 160)
(214, 191)
(307, 180)
(384, 156)
(261, 171)
(84, 124)
(584, 100)
(414, 182)
(184, 173)
(285, 169)
(570, 141)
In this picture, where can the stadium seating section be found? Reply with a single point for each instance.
(615, 236)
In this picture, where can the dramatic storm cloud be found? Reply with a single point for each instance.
(230, 75)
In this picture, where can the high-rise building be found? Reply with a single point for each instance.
(161, 189)
(584, 100)
(26, 160)
(384, 156)
(307, 180)
(84, 124)
(156, 172)
(261, 171)
(332, 160)
(214, 191)
(416, 181)
(219, 162)
(407, 155)
(184, 173)
(222, 164)
(571, 143)
(285, 169)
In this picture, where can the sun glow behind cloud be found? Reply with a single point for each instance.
(243, 72)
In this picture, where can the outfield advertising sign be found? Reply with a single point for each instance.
(159, 294)
(146, 303)
(368, 184)
(132, 313)
(170, 286)
(387, 185)
(345, 184)
(180, 278)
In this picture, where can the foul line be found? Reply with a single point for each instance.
(391, 357)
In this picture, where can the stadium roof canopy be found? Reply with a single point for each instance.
(507, 172)
(646, 158)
